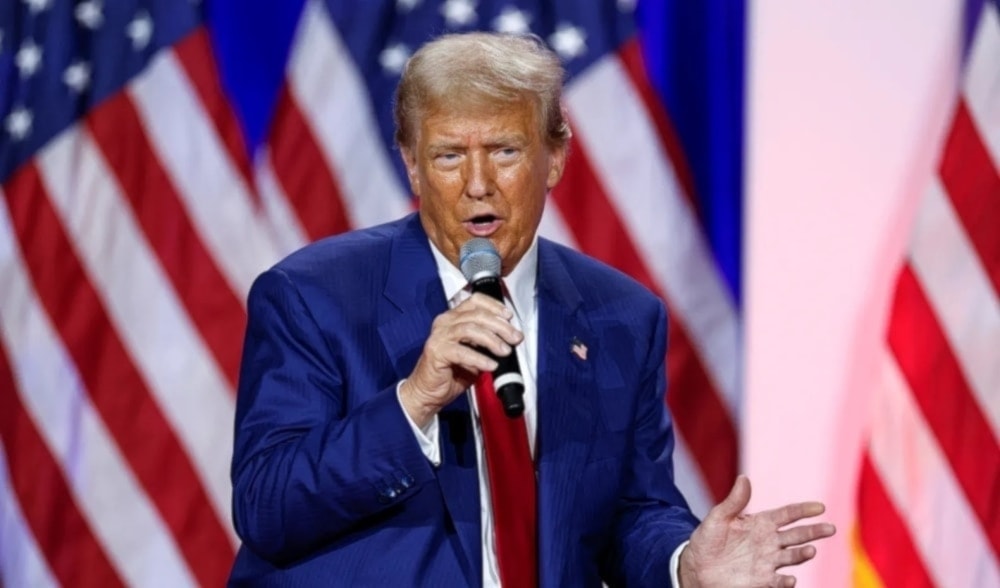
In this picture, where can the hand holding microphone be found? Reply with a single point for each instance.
(463, 342)
(480, 264)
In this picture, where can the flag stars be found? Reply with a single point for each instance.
(459, 13)
(89, 14)
(140, 30)
(37, 6)
(512, 20)
(393, 58)
(77, 76)
(568, 41)
(18, 123)
(406, 5)
(28, 58)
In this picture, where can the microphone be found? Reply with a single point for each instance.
(480, 264)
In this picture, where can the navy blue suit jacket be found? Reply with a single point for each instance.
(330, 485)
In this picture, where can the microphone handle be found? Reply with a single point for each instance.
(507, 379)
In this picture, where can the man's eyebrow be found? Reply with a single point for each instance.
(515, 139)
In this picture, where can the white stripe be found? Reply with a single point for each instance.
(288, 232)
(208, 183)
(186, 383)
(921, 484)
(982, 81)
(963, 298)
(21, 560)
(554, 228)
(331, 93)
(689, 480)
(117, 510)
(641, 185)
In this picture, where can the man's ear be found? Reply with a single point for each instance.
(557, 164)
(411, 170)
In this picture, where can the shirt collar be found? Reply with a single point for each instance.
(520, 282)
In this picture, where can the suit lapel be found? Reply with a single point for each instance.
(413, 296)
(566, 403)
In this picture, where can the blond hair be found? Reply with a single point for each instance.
(476, 69)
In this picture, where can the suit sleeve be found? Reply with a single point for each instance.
(304, 470)
(653, 518)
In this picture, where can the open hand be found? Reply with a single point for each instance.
(733, 549)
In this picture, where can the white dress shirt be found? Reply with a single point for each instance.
(522, 300)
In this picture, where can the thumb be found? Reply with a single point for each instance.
(738, 499)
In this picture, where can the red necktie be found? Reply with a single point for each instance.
(512, 488)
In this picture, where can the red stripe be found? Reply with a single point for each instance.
(195, 55)
(631, 58)
(213, 306)
(973, 186)
(115, 387)
(945, 399)
(698, 412)
(885, 538)
(73, 553)
(303, 172)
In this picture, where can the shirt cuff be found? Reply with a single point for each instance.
(427, 437)
(675, 564)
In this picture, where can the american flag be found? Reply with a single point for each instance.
(929, 495)
(143, 191)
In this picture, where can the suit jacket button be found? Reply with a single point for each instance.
(407, 481)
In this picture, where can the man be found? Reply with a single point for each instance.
(363, 458)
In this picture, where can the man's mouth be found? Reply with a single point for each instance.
(483, 225)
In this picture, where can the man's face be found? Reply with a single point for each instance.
(482, 172)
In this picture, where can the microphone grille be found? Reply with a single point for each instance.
(479, 259)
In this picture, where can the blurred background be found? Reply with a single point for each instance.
(812, 187)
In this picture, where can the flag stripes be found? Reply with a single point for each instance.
(313, 192)
(933, 457)
(320, 67)
(168, 354)
(209, 183)
(886, 541)
(194, 53)
(106, 367)
(212, 306)
(131, 531)
(968, 173)
(21, 560)
(957, 287)
(917, 477)
(929, 365)
(75, 557)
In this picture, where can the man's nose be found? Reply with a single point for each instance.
(479, 180)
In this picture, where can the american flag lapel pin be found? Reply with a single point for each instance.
(578, 349)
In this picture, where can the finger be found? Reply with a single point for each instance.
(736, 502)
(484, 319)
(805, 534)
(467, 358)
(783, 581)
(473, 334)
(482, 301)
(793, 556)
(794, 512)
